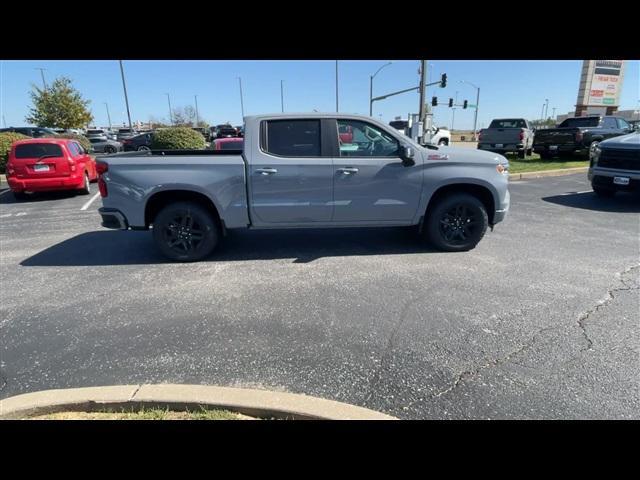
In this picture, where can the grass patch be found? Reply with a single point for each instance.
(146, 414)
(535, 164)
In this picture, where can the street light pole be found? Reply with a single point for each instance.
(108, 115)
(546, 109)
(371, 77)
(453, 117)
(241, 99)
(44, 83)
(126, 98)
(170, 111)
(336, 85)
(282, 95)
(475, 116)
(197, 115)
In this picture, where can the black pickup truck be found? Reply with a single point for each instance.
(576, 135)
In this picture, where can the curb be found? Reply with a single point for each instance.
(250, 402)
(547, 173)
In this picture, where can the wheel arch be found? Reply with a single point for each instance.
(481, 191)
(159, 199)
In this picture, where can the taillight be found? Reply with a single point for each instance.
(10, 169)
(102, 168)
(521, 135)
(72, 164)
(578, 136)
(479, 136)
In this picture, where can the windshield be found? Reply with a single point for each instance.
(509, 123)
(37, 150)
(580, 122)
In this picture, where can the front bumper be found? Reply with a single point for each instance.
(603, 177)
(501, 213)
(113, 218)
(45, 184)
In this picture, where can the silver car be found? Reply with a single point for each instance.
(101, 145)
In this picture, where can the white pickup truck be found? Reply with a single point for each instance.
(301, 171)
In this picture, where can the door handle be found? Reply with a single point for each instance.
(348, 170)
(266, 171)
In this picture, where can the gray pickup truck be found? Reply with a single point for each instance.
(300, 171)
(507, 135)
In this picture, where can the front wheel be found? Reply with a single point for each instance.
(456, 223)
(185, 231)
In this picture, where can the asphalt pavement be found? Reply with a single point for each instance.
(539, 321)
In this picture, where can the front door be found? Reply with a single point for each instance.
(291, 173)
(371, 184)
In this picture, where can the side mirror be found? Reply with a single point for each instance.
(407, 154)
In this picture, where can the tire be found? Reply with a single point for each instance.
(456, 208)
(86, 188)
(603, 191)
(143, 148)
(530, 152)
(545, 156)
(443, 142)
(174, 227)
(109, 150)
(522, 153)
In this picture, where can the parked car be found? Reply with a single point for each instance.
(635, 124)
(45, 164)
(140, 142)
(105, 146)
(204, 131)
(440, 136)
(506, 135)
(35, 132)
(240, 131)
(615, 165)
(295, 173)
(225, 130)
(575, 136)
(125, 133)
(97, 133)
(232, 143)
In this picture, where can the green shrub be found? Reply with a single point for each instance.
(6, 140)
(177, 138)
(82, 140)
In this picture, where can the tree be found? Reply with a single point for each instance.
(59, 106)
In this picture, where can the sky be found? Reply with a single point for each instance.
(507, 88)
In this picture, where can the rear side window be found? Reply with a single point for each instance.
(73, 148)
(609, 122)
(292, 138)
(508, 123)
(580, 122)
(37, 150)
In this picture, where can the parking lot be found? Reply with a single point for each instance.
(540, 320)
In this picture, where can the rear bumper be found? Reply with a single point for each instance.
(567, 148)
(45, 184)
(113, 218)
(507, 147)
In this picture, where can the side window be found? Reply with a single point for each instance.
(622, 124)
(609, 123)
(292, 138)
(73, 149)
(80, 149)
(361, 139)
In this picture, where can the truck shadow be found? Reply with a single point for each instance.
(621, 202)
(113, 247)
(8, 198)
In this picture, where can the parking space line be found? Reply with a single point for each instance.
(86, 205)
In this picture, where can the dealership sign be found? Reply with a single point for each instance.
(604, 89)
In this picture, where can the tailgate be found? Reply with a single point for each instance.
(555, 136)
(501, 135)
(34, 160)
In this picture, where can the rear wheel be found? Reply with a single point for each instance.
(109, 149)
(20, 196)
(545, 156)
(603, 191)
(86, 187)
(456, 223)
(529, 152)
(444, 142)
(185, 231)
(522, 153)
(143, 148)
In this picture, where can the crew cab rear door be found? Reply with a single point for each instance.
(291, 173)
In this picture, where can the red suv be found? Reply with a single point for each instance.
(45, 164)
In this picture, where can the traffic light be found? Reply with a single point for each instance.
(434, 101)
(464, 105)
(450, 102)
(443, 80)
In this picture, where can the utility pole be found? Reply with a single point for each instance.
(422, 111)
(282, 95)
(4, 121)
(170, 111)
(44, 83)
(542, 114)
(371, 77)
(475, 116)
(337, 86)
(553, 115)
(108, 115)
(126, 99)
(453, 117)
(241, 100)
(546, 109)
(197, 115)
